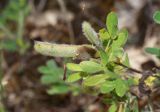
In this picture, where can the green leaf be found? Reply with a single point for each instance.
(73, 67)
(120, 87)
(156, 17)
(112, 108)
(50, 68)
(111, 74)
(90, 34)
(51, 64)
(90, 67)
(112, 24)
(44, 70)
(107, 87)
(95, 80)
(74, 77)
(58, 89)
(104, 35)
(49, 79)
(155, 51)
(51, 73)
(121, 40)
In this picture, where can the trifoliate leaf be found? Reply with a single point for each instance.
(50, 68)
(51, 73)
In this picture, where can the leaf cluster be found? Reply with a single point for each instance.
(52, 76)
(102, 74)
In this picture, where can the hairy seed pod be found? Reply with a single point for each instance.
(91, 34)
(63, 50)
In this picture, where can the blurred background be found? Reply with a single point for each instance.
(31, 82)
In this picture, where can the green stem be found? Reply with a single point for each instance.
(20, 25)
(1, 73)
(20, 29)
(108, 44)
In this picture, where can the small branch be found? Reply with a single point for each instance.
(20, 25)
(143, 88)
(131, 69)
(65, 71)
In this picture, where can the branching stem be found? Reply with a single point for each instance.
(131, 69)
